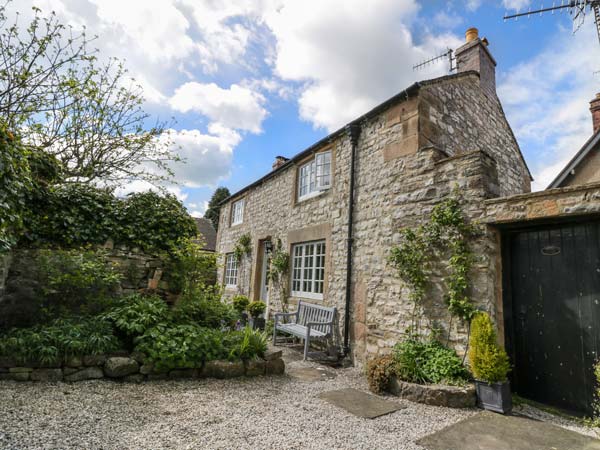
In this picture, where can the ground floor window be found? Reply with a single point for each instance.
(308, 269)
(231, 270)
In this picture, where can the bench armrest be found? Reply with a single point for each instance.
(277, 316)
(310, 325)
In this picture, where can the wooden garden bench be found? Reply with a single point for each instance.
(309, 322)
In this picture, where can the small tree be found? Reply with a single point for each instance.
(214, 206)
(489, 362)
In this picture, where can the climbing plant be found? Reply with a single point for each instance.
(446, 235)
(280, 265)
(243, 246)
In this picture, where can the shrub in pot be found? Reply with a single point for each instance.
(240, 304)
(490, 366)
(256, 310)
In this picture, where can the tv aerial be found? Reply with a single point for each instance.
(449, 54)
(576, 8)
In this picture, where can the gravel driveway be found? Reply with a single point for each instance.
(259, 413)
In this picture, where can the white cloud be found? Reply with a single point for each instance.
(473, 5)
(547, 101)
(345, 63)
(236, 108)
(197, 210)
(516, 4)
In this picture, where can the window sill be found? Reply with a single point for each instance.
(312, 196)
(234, 225)
(307, 296)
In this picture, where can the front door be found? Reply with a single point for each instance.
(554, 313)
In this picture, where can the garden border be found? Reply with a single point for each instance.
(434, 394)
(131, 367)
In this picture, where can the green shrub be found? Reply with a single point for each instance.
(428, 362)
(181, 346)
(246, 344)
(202, 306)
(379, 372)
(75, 215)
(240, 303)
(59, 341)
(76, 281)
(137, 313)
(189, 266)
(488, 361)
(256, 308)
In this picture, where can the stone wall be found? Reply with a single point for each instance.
(410, 156)
(133, 368)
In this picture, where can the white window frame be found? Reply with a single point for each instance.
(303, 253)
(231, 270)
(237, 212)
(315, 176)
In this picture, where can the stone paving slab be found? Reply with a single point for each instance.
(490, 431)
(360, 403)
(311, 373)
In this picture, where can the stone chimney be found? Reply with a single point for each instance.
(474, 55)
(595, 109)
(279, 161)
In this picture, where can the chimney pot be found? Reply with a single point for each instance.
(595, 109)
(472, 34)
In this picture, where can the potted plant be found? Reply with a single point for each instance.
(256, 310)
(490, 366)
(240, 304)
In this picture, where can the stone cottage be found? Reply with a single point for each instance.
(338, 207)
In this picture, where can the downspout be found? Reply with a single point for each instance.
(354, 133)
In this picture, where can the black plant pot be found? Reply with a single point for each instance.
(494, 397)
(257, 323)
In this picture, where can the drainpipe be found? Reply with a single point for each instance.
(354, 132)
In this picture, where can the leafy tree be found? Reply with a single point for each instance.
(89, 115)
(214, 205)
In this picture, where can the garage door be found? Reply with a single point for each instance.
(555, 309)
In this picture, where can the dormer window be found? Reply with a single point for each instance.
(237, 212)
(314, 177)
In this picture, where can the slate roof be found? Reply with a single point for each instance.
(592, 143)
(206, 229)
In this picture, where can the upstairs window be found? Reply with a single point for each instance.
(231, 270)
(237, 212)
(308, 270)
(315, 176)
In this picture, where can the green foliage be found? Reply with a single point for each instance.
(420, 361)
(76, 281)
(203, 306)
(152, 221)
(137, 313)
(379, 372)
(243, 246)
(75, 215)
(59, 341)
(214, 206)
(444, 237)
(15, 185)
(488, 361)
(595, 420)
(257, 308)
(188, 266)
(190, 345)
(182, 346)
(240, 303)
(280, 265)
(246, 344)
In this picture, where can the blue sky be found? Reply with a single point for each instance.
(247, 80)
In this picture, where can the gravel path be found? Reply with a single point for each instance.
(258, 413)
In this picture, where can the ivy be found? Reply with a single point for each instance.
(447, 234)
(280, 266)
(75, 215)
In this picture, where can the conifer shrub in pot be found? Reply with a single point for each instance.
(490, 366)
(256, 310)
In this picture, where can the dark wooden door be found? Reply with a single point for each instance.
(555, 308)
